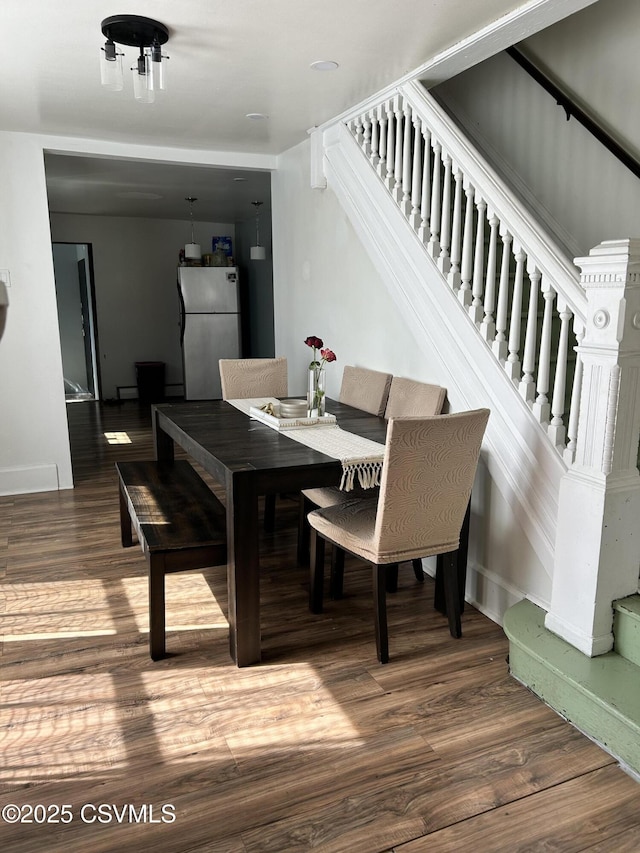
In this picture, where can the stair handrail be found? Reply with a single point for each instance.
(481, 238)
(536, 241)
(573, 110)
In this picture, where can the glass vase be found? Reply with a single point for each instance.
(315, 392)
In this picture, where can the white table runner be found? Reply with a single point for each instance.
(359, 456)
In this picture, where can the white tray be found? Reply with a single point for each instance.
(290, 423)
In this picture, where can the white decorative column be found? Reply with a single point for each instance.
(597, 553)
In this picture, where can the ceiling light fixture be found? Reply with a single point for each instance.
(149, 72)
(324, 65)
(258, 252)
(192, 249)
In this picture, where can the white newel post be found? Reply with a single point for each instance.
(597, 552)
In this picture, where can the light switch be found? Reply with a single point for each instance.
(5, 277)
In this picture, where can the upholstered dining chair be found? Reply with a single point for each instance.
(255, 377)
(363, 389)
(407, 398)
(428, 472)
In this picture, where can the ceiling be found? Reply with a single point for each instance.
(226, 60)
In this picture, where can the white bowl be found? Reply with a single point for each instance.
(293, 408)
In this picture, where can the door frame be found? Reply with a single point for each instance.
(89, 312)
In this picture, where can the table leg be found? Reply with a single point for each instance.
(243, 568)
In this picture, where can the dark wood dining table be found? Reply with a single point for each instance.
(250, 459)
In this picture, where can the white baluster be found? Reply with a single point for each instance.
(391, 129)
(358, 130)
(512, 365)
(488, 326)
(405, 204)
(556, 430)
(499, 345)
(541, 408)
(416, 171)
(569, 454)
(444, 261)
(425, 190)
(366, 135)
(527, 383)
(464, 294)
(476, 308)
(374, 157)
(434, 216)
(454, 272)
(382, 162)
(397, 156)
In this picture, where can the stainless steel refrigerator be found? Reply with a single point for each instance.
(209, 326)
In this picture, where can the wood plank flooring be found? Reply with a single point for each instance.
(317, 748)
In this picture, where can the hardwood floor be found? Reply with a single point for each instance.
(319, 747)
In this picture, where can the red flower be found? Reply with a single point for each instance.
(314, 342)
(328, 355)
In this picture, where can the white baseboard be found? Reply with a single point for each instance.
(30, 478)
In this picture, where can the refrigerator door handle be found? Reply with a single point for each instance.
(182, 314)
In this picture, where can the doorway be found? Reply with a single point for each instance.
(75, 294)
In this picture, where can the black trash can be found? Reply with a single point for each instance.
(150, 380)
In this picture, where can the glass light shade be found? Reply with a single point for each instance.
(141, 77)
(192, 251)
(158, 70)
(111, 71)
(258, 253)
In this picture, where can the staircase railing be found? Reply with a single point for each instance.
(520, 292)
(567, 344)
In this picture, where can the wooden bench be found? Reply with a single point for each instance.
(180, 525)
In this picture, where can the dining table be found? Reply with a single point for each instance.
(250, 459)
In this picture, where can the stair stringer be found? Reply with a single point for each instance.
(523, 463)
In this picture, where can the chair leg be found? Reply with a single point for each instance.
(451, 592)
(417, 570)
(336, 581)
(269, 513)
(391, 575)
(316, 572)
(380, 612)
(157, 628)
(305, 508)
(439, 596)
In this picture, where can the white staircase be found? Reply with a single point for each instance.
(554, 354)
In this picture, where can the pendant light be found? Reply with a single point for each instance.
(149, 72)
(258, 252)
(192, 249)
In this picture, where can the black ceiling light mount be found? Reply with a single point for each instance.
(149, 72)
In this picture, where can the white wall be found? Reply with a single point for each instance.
(34, 445)
(135, 262)
(587, 195)
(325, 284)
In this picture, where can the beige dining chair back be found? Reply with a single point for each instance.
(253, 377)
(406, 398)
(243, 378)
(411, 399)
(428, 472)
(365, 389)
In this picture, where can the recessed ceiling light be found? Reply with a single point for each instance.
(256, 116)
(136, 194)
(324, 65)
